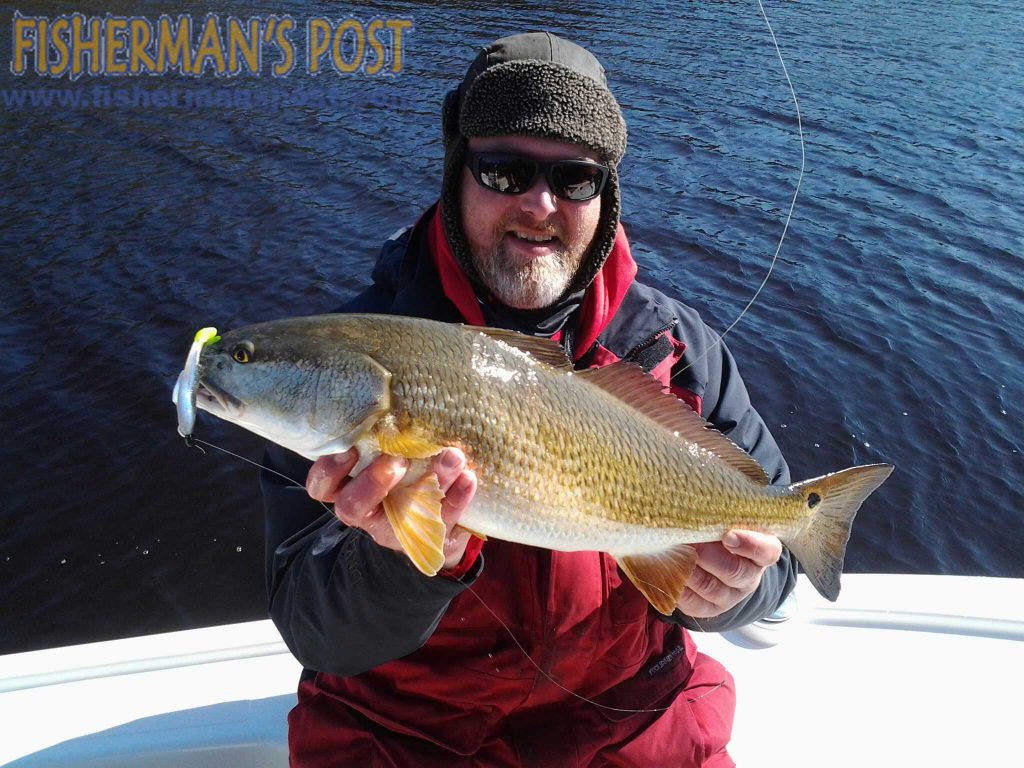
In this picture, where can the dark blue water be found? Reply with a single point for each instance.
(890, 330)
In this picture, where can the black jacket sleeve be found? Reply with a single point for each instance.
(708, 368)
(342, 604)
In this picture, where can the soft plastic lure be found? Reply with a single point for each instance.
(184, 395)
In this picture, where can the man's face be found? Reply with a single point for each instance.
(521, 273)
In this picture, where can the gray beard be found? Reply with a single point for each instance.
(537, 283)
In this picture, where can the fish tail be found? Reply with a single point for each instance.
(834, 499)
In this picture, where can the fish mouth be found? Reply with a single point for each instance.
(217, 401)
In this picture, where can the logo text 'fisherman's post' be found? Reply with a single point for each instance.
(125, 46)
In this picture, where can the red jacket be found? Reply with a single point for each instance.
(421, 672)
(472, 697)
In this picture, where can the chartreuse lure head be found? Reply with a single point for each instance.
(206, 336)
(184, 396)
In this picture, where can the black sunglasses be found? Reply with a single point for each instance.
(512, 174)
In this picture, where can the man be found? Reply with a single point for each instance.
(514, 655)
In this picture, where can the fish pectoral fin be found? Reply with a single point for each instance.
(410, 443)
(661, 576)
(414, 512)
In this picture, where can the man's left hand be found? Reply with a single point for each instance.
(727, 571)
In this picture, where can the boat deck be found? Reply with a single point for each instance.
(920, 670)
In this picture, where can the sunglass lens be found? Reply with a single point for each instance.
(576, 181)
(506, 174)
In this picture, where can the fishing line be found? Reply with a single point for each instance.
(190, 439)
(753, 299)
(190, 442)
(559, 685)
(792, 205)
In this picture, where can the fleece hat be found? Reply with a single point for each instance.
(534, 84)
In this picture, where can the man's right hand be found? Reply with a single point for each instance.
(357, 500)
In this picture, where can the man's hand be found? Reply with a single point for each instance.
(357, 500)
(727, 571)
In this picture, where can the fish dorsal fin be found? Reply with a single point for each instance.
(544, 350)
(639, 390)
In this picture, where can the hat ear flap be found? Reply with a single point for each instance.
(450, 116)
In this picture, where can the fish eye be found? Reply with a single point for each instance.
(242, 352)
